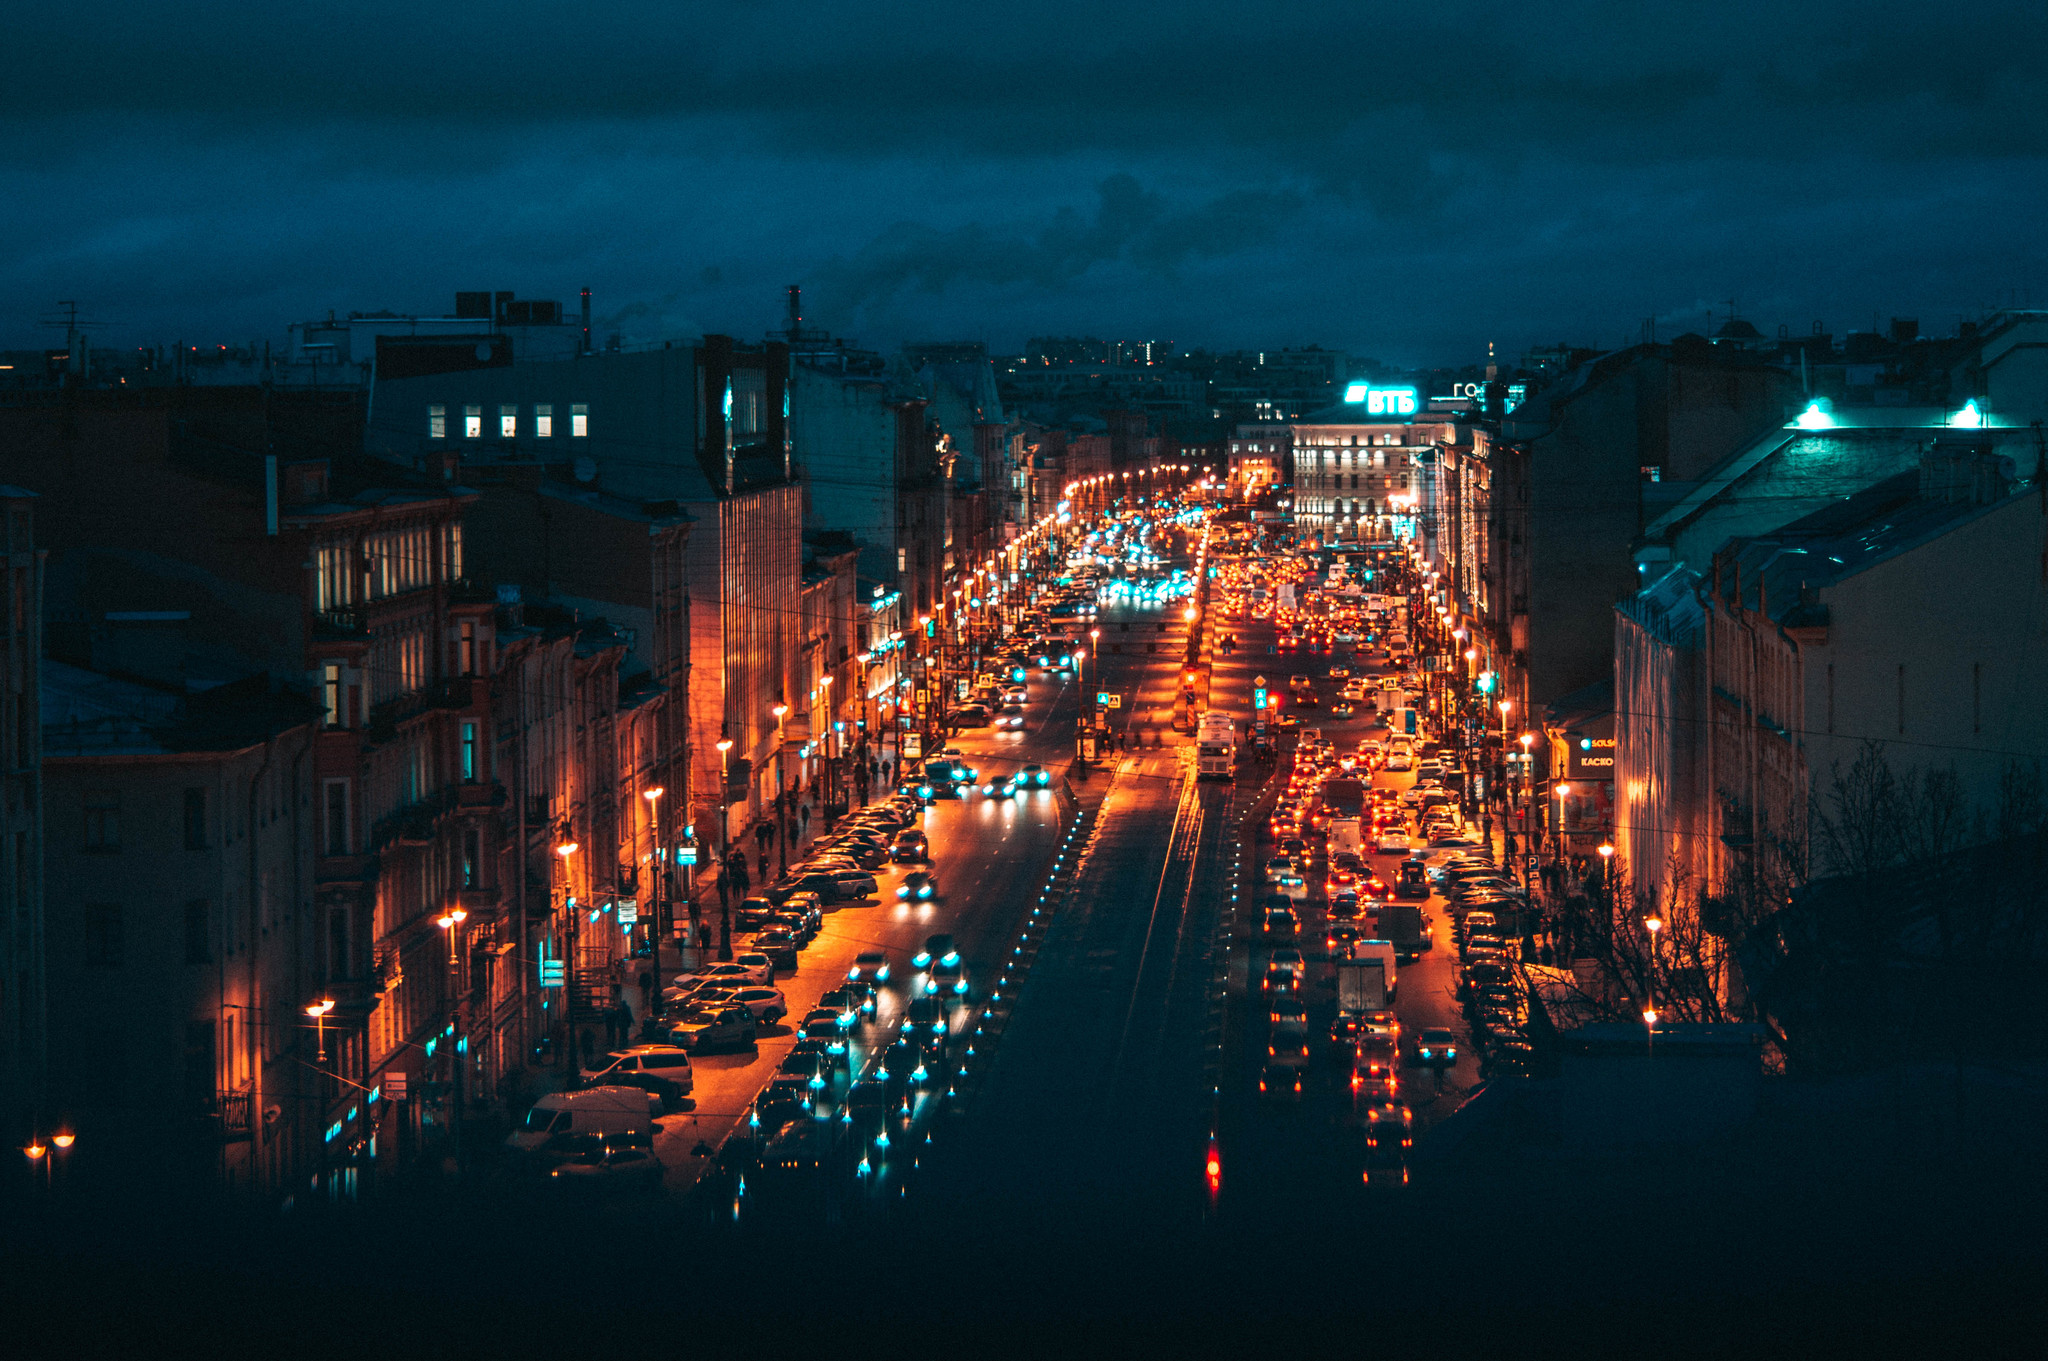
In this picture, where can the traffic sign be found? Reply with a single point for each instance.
(551, 973)
(394, 1085)
(1107, 700)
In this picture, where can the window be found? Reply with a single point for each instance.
(472, 853)
(451, 551)
(198, 932)
(579, 421)
(544, 421)
(103, 821)
(195, 819)
(472, 422)
(465, 649)
(508, 422)
(468, 750)
(1653, 472)
(437, 422)
(1354, 481)
(330, 692)
(335, 795)
(103, 935)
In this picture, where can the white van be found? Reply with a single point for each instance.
(1382, 950)
(620, 1112)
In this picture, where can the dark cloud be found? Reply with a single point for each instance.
(1129, 223)
(1373, 175)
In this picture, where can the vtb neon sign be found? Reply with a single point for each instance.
(1383, 401)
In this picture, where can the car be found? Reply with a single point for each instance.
(807, 1064)
(1345, 1032)
(1281, 1081)
(869, 966)
(1280, 866)
(918, 886)
(706, 1026)
(924, 1016)
(1285, 968)
(938, 950)
(1508, 1055)
(1001, 787)
(1339, 936)
(1034, 775)
(767, 1003)
(1342, 709)
(1392, 841)
(1339, 673)
(1011, 718)
(1389, 1126)
(758, 970)
(781, 945)
(663, 1069)
(1279, 920)
(1287, 720)
(752, 913)
(780, 1102)
(1288, 1042)
(1016, 694)
(1436, 1045)
(911, 846)
(614, 1163)
(1377, 1056)
(1397, 760)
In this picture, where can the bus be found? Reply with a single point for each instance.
(1216, 748)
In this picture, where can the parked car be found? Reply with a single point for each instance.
(611, 1164)
(703, 1028)
(663, 1069)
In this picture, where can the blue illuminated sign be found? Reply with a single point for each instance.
(1383, 401)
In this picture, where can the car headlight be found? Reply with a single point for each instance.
(921, 958)
(854, 972)
(961, 987)
(882, 974)
(925, 892)
(902, 892)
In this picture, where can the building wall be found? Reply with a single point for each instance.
(1660, 730)
(744, 616)
(22, 924)
(181, 956)
(1939, 653)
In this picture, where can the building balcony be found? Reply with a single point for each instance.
(479, 794)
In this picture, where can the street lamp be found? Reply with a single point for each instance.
(448, 921)
(318, 1011)
(724, 745)
(660, 862)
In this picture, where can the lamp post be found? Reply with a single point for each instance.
(781, 711)
(658, 900)
(1564, 791)
(450, 921)
(318, 1011)
(564, 849)
(724, 853)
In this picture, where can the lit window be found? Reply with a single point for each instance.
(508, 422)
(579, 421)
(437, 422)
(544, 421)
(472, 422)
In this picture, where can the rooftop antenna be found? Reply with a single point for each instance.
(796, 309)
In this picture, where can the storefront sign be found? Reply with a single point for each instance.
(1383, 401)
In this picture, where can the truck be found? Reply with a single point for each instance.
(1403, 925)
(1215, 747)
(1344, 798)
(1361, 986)
(1346, 834)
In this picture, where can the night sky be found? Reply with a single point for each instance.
(1406, 181)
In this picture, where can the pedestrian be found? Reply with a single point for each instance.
(647, 989)
(804, 816)
(704, 937)
(764, 864)
(624, 1016)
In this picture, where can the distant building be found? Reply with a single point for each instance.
(23, 987)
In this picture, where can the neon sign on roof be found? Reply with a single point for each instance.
(1383, 401)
